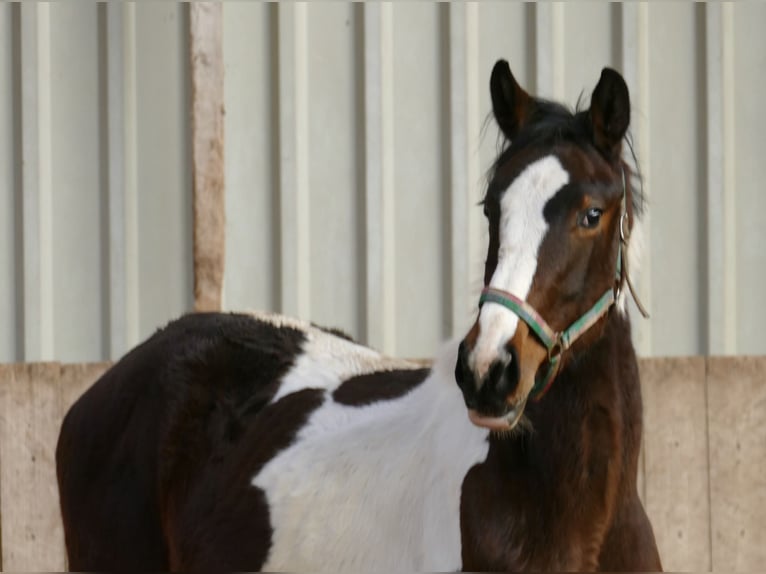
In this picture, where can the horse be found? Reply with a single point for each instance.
(254, 441)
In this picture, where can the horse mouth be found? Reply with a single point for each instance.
(504, 422)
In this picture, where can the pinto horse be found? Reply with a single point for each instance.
(253, 441)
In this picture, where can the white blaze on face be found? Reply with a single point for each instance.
(522, 229)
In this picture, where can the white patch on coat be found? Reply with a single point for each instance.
(522, 229)
(327, 360)
(375, 487)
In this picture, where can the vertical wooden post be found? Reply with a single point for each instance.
(206, 44)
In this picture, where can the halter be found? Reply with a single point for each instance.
(558, 342)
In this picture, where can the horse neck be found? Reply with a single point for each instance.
(595, 399)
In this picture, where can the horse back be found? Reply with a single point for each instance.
(146, 425)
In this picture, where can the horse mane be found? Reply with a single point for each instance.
(552, 123)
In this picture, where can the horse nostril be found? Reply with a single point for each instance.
(464, 377)
(511, 375)
(461, 366)
(503, 377)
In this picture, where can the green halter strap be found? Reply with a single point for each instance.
(555, 342)
(558, 342)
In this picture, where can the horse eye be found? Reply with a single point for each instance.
(486, 209)
(591, 218)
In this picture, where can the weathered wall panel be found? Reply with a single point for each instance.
(704, 504)
(675, 451)
(581, 69)
(77, 173)
(164, 154)
(57, 199)
(420, 186)
(8, 284)
(34, 398)
(383, 142)
(748, 77)
(250, 155)
(675, 178)
(334, 164)
(30, 415)
(34, 214)
(736, 415)
(463, 174)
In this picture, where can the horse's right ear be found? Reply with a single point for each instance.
(511, 105)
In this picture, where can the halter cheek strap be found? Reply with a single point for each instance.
(558, 342)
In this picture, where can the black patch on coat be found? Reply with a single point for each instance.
(366, 389)
(139, 436)
(224, 525)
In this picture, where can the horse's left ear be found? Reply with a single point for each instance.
(610, 113)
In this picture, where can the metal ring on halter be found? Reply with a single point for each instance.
(556, 346)
(617, 291)
(624, 233)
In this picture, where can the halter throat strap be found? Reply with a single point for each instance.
(557, 342)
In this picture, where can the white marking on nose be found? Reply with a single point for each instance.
(522, 229)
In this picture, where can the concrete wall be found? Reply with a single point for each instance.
(700, 475)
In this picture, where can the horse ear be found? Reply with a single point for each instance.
(610, 113)
(511, 105)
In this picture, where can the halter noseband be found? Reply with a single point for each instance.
(558, 342)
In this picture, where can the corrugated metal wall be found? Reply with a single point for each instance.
(96, 201)
(355, 149)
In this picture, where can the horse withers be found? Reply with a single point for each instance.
(259, 442)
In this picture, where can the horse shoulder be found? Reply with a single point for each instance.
(630, 544)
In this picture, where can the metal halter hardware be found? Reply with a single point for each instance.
(555, 342)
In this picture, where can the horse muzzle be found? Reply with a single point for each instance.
(490, 396)
(496, 383)
(505, 422)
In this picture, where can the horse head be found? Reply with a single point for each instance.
(560, 208)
